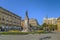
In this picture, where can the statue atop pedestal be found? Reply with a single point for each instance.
(26, 23)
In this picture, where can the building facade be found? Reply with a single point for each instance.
(22, 23)
(50, 21)
(58, 24)
(33, 22)
(9, 19)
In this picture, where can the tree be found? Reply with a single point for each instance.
(44, 25)
(52, 27)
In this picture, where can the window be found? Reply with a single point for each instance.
(3, 19)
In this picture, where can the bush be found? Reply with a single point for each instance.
(13, 33)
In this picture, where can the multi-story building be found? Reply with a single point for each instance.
(58, 24)
(22, 23)
(9, 19)
(50, 21)
(33, 22)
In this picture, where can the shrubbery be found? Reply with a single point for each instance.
(22, 33)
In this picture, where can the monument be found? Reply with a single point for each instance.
(26, 27)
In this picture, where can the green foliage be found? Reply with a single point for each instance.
(44, 25)
(13, 33)
(50, 27)
(21, 33)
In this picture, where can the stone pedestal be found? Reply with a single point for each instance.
(26, 27)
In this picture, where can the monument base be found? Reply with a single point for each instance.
(25, 30)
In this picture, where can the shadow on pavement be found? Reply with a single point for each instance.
(45, 38)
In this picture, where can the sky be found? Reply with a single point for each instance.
(37, 9)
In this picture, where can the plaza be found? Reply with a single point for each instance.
(49, 36)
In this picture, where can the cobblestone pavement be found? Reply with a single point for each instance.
(49, 36)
